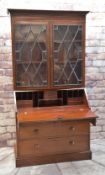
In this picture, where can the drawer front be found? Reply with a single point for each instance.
(54, 129)
(54, 146)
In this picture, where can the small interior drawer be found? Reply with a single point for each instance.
(53, 129)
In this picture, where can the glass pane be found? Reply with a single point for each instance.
(67, 54)
(31, 55)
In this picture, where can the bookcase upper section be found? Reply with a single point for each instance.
(48, 49)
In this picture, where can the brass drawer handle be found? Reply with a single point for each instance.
(60, 118)
(36, 130)
(71, 142)
(72, 128)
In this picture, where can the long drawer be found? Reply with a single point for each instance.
(53, 129)
(50, 146)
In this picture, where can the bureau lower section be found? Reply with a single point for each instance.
(50, 142)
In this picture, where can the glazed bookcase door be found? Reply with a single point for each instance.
(31, 55)
(67, 55)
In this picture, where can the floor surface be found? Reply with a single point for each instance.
(96, 166)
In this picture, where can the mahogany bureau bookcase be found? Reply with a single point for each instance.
(52, 113)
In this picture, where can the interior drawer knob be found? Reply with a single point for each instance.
(71, 142)
(72, 128)
(36, 130)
